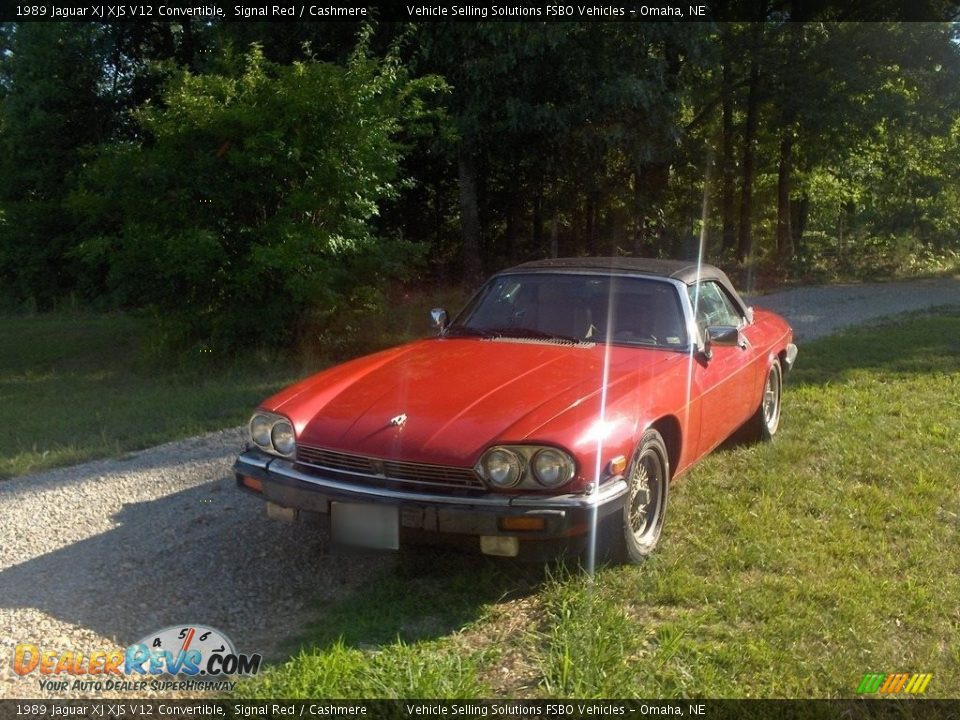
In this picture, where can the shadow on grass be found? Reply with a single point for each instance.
(430, 593)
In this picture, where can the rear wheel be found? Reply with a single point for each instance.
(641, 522)
(766, 421)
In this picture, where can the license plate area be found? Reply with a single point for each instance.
(364, 525)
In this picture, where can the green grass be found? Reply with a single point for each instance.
(77, 386)
(395, 640)
(788, 569)
(74, 387)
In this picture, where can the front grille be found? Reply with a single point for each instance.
(393, 471)
(334, 460)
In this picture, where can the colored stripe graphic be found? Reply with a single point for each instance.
(871, 682)
(914, 683)
(894, 683)
(918, 683)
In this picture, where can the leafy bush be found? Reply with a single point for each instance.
(248, 200)
(824, 258)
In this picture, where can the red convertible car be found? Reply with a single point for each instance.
(549, 416)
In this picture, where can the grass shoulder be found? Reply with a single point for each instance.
(78, 386)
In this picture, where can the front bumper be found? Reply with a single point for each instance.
(566, 518)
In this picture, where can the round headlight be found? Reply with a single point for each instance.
(260, 430)
(501, 467)
(283, 440)
(552, 468)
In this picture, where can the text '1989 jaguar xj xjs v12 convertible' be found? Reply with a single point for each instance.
(548, 417)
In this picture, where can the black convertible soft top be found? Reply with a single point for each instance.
(683, 270)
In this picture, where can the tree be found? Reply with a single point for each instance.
(252, 197)
(52, 113)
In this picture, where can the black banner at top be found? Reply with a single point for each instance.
(479, 11)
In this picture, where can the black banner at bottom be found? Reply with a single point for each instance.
(472, 709)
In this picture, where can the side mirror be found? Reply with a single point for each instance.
(722, 335)
(438, 317)
(750, 315)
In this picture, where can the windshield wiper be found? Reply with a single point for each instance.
(525, 332)
(467, 331)
(516, 332)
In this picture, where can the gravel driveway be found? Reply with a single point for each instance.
(96, 556)
(817, 311)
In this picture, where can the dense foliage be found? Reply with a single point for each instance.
(249, 201)
(248, 179)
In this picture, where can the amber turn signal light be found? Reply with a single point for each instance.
(522, 522)
(251, 483)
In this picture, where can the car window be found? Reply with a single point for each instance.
(584, 308)
(712, 306)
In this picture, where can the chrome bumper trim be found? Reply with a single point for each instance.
(611, 490)
(255, 459)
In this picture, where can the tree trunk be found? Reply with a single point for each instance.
(469, 216)
(554, 241)
(617, 233)
(438, 212)
(593, 202)
(801, 209)
(188, 50)
(638, 215)
(538, 221)
(788, 105)
(745, 240)
(728, 171)
(168, 45)
(652, 179)
(649, 195)
(511, 231)
(784, 231)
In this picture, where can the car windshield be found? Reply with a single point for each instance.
(576, 308)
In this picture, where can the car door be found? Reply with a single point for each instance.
(725, 380)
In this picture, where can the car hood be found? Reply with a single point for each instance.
(457, 396)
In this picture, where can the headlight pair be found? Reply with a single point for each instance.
(273, 433)
(508, 466)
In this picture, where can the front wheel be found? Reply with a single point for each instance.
(644, 510)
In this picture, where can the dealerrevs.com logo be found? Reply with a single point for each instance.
(203, 657)
(892, 683)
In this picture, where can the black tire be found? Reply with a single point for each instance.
(766, 421)
(634, 533)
